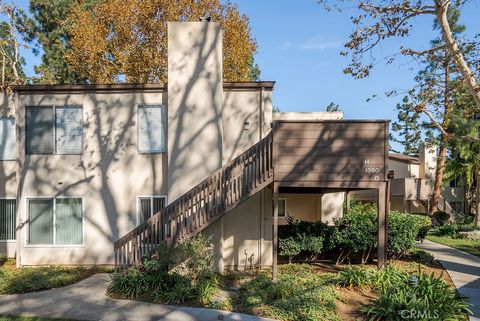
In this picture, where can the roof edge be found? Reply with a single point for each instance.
(120, 87)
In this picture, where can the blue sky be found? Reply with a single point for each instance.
(299, 46)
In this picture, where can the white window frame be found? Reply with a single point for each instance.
(16, 142)
(286, 212)
(54, 198)
(164, 115)
(16, 219)
(54, 107)
(151, 204)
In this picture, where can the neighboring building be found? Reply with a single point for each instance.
(82, 166)
(412, 187)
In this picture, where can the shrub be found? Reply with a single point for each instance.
(356, 232)
(423, 257)
(301, 236)
(290, 247)
(450, 230)
(441, 217)
(404, 230)
(191, 280)
(431, 299)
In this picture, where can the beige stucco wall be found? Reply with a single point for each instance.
(247, 115)
(195, 83)
(109, 175)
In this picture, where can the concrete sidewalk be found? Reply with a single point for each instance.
(86, 300)
(463, 268)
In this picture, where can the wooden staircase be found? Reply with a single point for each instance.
(201, 206)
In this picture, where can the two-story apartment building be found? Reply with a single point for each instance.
(81, 166)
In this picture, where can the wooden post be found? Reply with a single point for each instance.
(275, 232)
(382, 226)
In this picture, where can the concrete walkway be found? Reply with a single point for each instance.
(86, 300)
(463, 268)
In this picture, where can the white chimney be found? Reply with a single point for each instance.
(195, 87)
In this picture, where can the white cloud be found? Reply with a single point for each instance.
(320, 44)
(286, 45)
(314, 43)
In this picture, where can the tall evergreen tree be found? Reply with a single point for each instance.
(407, 126)
(51, 33)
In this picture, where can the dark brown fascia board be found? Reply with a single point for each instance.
(332, 121)
(404, 160)
(128, 87)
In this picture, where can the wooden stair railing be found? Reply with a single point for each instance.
(205, 203)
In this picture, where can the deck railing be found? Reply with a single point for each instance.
(201, 206)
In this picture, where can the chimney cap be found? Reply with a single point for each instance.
(207, 17)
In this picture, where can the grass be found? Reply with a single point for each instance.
(462, 244)
(31, 279)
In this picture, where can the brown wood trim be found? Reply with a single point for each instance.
(128, 87)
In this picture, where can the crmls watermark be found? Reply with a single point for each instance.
(419, 314)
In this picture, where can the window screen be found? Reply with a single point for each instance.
(69, 220)
(7, 219)
(40, 213)
(8, 143)
(55, 221)
(69, 130)
(151, 129)
(39, 130)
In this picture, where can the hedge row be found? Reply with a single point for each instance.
(355, 234)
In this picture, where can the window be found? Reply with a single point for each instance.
(8, 216)
(8, 142)
(151, 129)
(282, 207)
(456, 182)
(56, 221)
(52, 130)
(148, 206)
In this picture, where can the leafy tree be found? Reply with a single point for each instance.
(436, 85)
(464, 160)
(378, 21)
(12, 39)
(333, 107)
(51, 34)
(126, 40)
(407, 126)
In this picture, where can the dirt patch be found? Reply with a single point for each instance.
(350, 302)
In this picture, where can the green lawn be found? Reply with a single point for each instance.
(30, 279)
(466, 245)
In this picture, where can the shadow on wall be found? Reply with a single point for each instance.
(196, 145)
(109, 150)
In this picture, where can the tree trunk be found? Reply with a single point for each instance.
(439, 172)
(477, 198)
(452, 46)
(442, 155)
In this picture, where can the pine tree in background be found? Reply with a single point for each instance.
(408, 128)
(51, 33)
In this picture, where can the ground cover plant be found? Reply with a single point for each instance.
(404, 294)
(300, 294)
(29, 279)
(184, 275)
